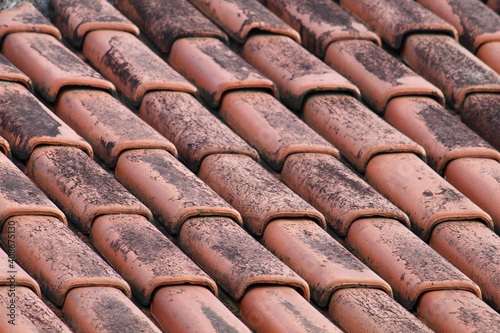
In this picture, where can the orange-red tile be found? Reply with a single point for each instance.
(107, 125)
(144, 256)
(233, 258)
(191, 127)
(449, 66)
(442, 135)
(11, 274)
(9, 72)
(270, 127)
(371, 310)
(488, 53)
(166, 21)
(50, 64)
(169, 189)
(394, 20)
(421, 193)
(481, 112)
(457, 311)
(60, 265)
(353, 128)
(281, 309)
(131, 65)
(188, 308)
(475, 22)
(215, 69)
(254, 192)
(19, 196)
(409, 265)
(472, 248)
(479, 180)
(320, 23)
(296, 72)
(325, 264)
(494, 4)
(76, 18)
(29, 314)
(5, 147)
(24, 17)
(336, 191)
(104, 310)
(80, 186)
(239, 18)
(38, 127)
(379, 76)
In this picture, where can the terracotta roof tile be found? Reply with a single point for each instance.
(80, 186)
(131, 65)
(488, 54)
(494, 4)
(76, 18)
(107, 125)
(296, 72)
(10, 73)
(5, 147)
(320, 23)
(211, 66)
(7, 267)
(193, 129)
(395, 20)
(240, 18)
(270, 127)
(481, 112)
(164, 22)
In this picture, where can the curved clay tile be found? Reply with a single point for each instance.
(481, 112)
(488, 53)
(8, 265)
(9, 72)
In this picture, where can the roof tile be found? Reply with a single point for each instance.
(164, 22)
(76, 18)
(211, 66)
(421, 193)
(144, 256)
(254, 192)
(172, 192)
(357, 131)
(379, 76)
(236, 262)
(63, 264)
(394, 20)
(107, 125)
(267, 125)
(50, 64)
(80, 186)
(9, 72)
(494, 4)
(320, 23)
(131, 65)
(9, 266)
(295, 71)
(5, 147)
(481, 112)
(488, 53)
(240, 18)
(395, 253)
(193, 129)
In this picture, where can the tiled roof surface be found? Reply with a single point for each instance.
(237, 166)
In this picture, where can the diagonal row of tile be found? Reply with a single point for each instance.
(387, 236)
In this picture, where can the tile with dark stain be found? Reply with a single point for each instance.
(394, 20)
(239, 18)
(169, 189)
(481, 112)
(320, 23)
(215, 69)
(5, 147)
(379, 76)
(131, 65)
(144, 256)
(61, 265)
(354, 129)
(336, 191)
(443, 136)
(409, 265)
(494, 4)
(8, 266)
(254, 192)
(9, 72)
(270, 127)
(164, 22)
(421, 193)
(27, 130)
(296, 72)
(49, 64)
(80, 186)
(233, 258)
(191, 127)
(107, 125)
(76, 18)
